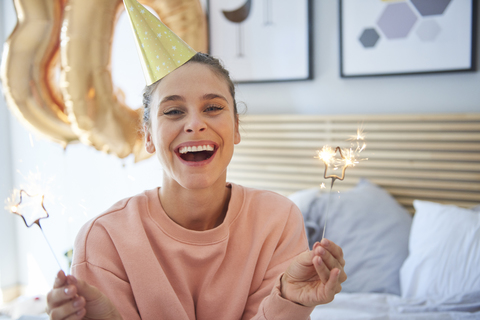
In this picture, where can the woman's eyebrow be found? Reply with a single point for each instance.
(211, 96)
(173, 98)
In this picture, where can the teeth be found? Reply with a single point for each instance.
(196, 149)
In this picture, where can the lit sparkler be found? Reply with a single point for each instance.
(339, 159)
(32, 210)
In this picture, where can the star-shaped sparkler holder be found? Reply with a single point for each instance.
(21, 207)
(32, 209)
(334, 176)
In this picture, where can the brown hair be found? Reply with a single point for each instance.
(206, 59)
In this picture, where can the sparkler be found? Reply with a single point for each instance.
(339, 159)
(37, 210)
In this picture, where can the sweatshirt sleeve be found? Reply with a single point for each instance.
(97, 262)
(267, 303)
(276, 307)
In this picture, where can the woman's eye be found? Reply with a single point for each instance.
(173, 112)
(213, 108)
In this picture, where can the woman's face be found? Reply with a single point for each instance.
(193, 127)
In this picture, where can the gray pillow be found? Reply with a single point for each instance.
(373, 230)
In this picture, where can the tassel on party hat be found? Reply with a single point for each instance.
(161, 51)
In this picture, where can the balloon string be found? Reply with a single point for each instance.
(50, 246)
(328, 208)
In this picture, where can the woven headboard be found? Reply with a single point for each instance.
(430, 157)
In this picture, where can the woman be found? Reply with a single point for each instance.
(198, 247)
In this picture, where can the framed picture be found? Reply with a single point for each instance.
(264, 40)
(386, 37)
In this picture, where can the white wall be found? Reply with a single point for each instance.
(330, 94)
(8, 256)
(83, 182)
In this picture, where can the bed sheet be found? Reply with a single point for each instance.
(377, 306)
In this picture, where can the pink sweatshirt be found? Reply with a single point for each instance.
(152, 268)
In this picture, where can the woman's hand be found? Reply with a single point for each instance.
(314, 277)
(72, 299)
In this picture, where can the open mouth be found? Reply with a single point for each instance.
(197, 153)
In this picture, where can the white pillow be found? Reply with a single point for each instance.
(372, 229)
(444, 252)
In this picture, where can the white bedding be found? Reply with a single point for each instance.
(380, 306)
(439, 273)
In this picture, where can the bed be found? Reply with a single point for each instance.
(408, 218)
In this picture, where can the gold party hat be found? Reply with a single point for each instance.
(161, 51)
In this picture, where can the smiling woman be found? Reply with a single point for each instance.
(198, 247)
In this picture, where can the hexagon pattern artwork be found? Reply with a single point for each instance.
(431, 7)
(385, 37)
(369, 37)
(428, 30)
(397, 20)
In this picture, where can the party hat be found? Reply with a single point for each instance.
(161, 51)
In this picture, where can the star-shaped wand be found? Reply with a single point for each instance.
(36, 210)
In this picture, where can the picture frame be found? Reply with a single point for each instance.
(379, 38)
(262, 41)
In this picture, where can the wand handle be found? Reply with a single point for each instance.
(50, 246)
(328, 208)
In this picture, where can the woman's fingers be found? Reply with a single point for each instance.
(57, 297)
(331, 255)
(77, 315)
(321, 269)
(62, 301)
(333, 285)
(330, 279)
(334, 250)
(329, 260)
(61, 291)
(70, 299)
(74, 309)
(60, 280)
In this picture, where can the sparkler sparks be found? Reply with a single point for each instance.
(342, 158)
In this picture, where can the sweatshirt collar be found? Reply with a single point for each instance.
(181, 234)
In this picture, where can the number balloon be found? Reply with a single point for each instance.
(84, 103)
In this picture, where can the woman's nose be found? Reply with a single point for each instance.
(195, 123)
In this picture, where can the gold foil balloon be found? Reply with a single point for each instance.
(30, 57)
(98, 116)
(96, 111)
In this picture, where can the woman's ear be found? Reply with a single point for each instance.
(149, 145)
